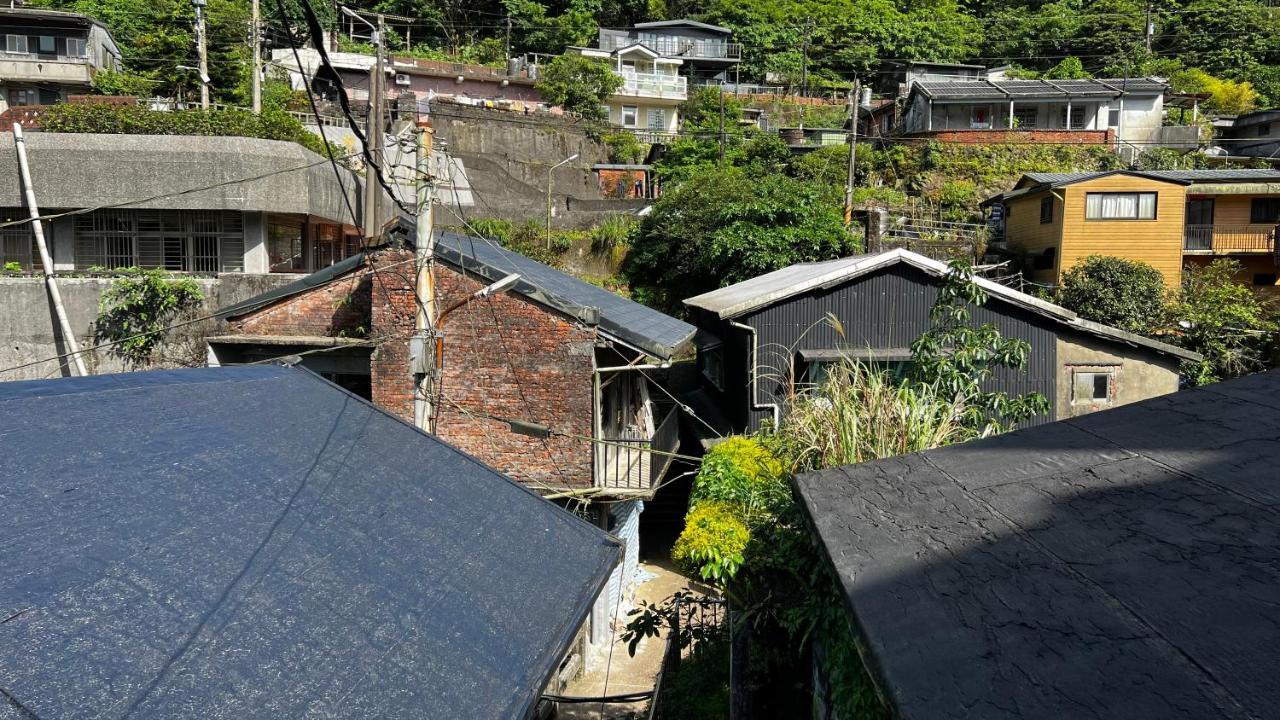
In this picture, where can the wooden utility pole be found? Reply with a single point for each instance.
(255, 39)
(425, 371)
(853, 153)
(202, 47)
(46, 260)
(373, 138)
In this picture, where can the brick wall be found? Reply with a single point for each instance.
(550, 356)
(1048, 137)
(341, 308)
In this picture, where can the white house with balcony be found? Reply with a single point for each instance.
(48, 55)
(652, 89)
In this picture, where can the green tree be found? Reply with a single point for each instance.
(1223, 320)
(1069, 68)
(722, 225)
(137, 309)
(578, 84)
(1128, 294)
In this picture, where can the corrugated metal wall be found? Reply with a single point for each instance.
(889, 309)
(625, 525)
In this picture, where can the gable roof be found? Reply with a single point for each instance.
(621, 319)
(1120, 564)
(249, 541)
(1032, 183)
(987, 89)
(683, 22)
(759, 292)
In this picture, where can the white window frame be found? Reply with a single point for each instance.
(16, 44)
(657, 119)
(1144, 204)
(1088, 378)
(77, 47)
(635, 116)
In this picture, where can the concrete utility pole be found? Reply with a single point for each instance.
(721, 134)
(202, 47)
(804, 65)
(425, 370)
(1151, 27)
(46, 260)
(255, 39)
(853, 153)
(373, 137)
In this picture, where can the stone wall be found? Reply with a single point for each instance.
(30, 332)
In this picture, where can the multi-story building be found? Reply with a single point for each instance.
(1167, 218)
(708, 53)
(652, 89)
(48, 55)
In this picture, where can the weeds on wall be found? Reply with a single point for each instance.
(137, 310)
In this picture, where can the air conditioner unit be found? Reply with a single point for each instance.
(402, 79)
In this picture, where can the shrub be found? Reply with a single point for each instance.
(625, 148)
(613, 232)
(1224, 321)
(1128, 294)
(135, 311)
(744, 473)
(712, 542)
(499, 231)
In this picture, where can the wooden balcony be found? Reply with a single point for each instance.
(626, 465)
(1227, 239)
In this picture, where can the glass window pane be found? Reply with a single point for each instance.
(1146, 206)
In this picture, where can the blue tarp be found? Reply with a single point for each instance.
(255, 542)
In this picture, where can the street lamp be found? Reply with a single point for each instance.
(550, 170)
(484, 292)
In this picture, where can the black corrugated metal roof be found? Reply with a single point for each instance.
(1121, 564)
(984, 89)
(255, 542)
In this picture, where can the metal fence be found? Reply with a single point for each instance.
(938, 239)
(691, 624)
(1229, 238)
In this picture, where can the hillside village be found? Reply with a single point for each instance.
(728, 359)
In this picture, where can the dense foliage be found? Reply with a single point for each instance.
(1128, 294)
(578, 84)
(1223, 320)
(136, 311)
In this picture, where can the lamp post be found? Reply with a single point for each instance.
(550, 170)
(484, 292)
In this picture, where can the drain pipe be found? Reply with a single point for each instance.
(755, 376)
(46, 259)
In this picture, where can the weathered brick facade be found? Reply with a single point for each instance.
(503, 356)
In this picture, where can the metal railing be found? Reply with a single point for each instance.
(1229, 238)
(652, 137)
(653, 85)
(691, 623)
(678, 46)
(937, 239)
(626, 463)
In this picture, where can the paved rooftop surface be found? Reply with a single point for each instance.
(255, 542)
(1125, 564)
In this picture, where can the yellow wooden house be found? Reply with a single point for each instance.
(1167, 218)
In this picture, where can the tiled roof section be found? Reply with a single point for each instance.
(1121, 564)
(241, 542)
(638, 325)
(1015, 89)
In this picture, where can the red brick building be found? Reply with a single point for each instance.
(555, 351)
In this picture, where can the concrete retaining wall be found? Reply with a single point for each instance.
(29, 327)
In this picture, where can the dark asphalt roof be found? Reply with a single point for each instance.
(1015, 89)
(1121, 564)
(638, 325)
(1032, 183)
(255, 542)
(315, 279)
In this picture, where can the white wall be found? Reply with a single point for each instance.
(671, 121)
(256, 259)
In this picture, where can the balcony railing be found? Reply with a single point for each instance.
(627, 464)
(654, 85)
(680, 47)
(1229, 238)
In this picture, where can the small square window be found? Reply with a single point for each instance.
(1093, 387)
(1113, 118)
(15, 43)
(48, 44)
(630, 113)
(1046, 210)
(1264, 279)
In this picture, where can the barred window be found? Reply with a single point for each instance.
(18, 245)
(180, 241)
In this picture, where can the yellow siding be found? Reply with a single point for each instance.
(1156, 242)
(1251, 266)
(1024, 230)
(1231, 209)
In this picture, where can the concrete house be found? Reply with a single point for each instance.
(255, 542)
(48, 55)
(1052, 111)
(1255, 134)
(177, 203)
(1121, 564)
(652, 84)
(708, 52)
(553, 350)
(1166, 218)
(773, 337)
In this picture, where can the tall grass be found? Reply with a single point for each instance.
(860, 414)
